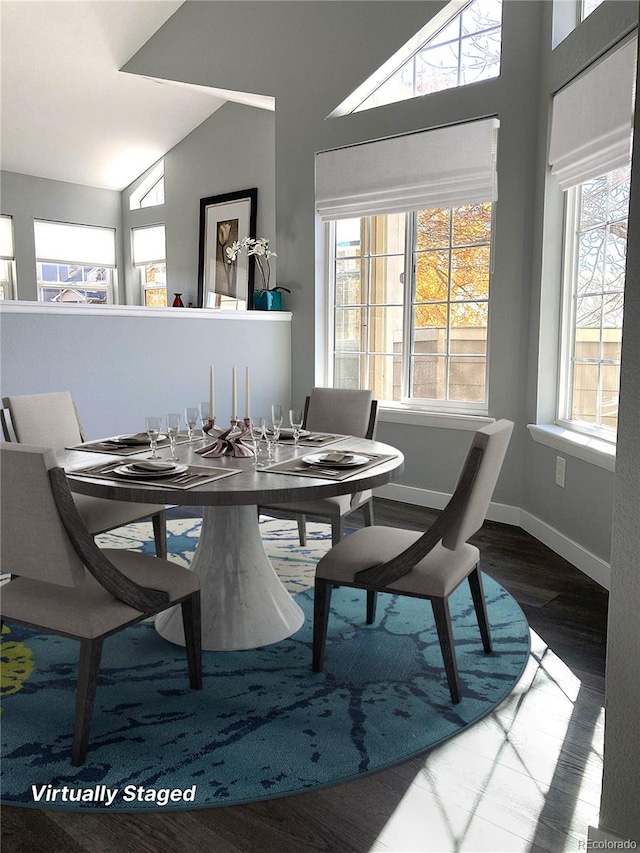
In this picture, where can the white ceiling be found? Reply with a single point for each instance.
(67, 111)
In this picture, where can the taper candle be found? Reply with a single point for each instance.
(234, 407)
(212, 411)
(247, 394)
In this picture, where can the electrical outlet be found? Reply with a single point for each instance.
(560, 468)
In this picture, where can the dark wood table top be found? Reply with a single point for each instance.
(250, 486)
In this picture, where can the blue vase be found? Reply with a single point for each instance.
(267, 300)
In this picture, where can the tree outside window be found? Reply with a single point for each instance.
(411, 317)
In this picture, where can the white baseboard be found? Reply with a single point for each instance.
(603, 839)
(438, 500)
(592, 566)
(596, 568)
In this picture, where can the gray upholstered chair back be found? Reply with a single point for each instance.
(33, 543)
(48, 420)
(340, 410)
(493, 440)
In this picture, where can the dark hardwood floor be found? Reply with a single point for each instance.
(525, 778)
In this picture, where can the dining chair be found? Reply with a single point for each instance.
(62, 583)
(430, 565)
(344, 412)
(51, 420)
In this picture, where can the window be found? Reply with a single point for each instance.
(410, 225)
(74, 263)
(410, 306)
(7, 262)
(461, 45)
(151, 190)
(586, 7)
(149, 256)
(596, 241)
(589, 153)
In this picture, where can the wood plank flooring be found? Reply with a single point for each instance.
(526, 778)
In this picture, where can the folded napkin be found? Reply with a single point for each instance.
(152, 465)
(336, 456)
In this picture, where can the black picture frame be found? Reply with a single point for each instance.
(224, 219)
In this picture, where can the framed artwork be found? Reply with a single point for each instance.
(225, 219)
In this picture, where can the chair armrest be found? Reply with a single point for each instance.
(402, 563)
(142, 598)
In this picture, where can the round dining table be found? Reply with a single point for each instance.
(244, 603)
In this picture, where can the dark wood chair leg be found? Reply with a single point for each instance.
(321, 605)
(159, 521)
(367, 511)
(442, 618)
(302, 530)
(337, 529)
(372, 600)
(477, 593)
(90, 653)
(193, 639)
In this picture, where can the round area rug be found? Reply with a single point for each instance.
(264, 725)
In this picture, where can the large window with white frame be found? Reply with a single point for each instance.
(594, 277)
(149, 257)
(75, 263)
(589, 154)
(410, 299)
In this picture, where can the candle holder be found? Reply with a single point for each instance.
(228, 442)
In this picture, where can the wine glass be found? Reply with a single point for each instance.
(267, 436)
(191, 419)
(173, 425)
(255, 434)
(296, 417)
(203, 408)
(152, 426)
(277, 417)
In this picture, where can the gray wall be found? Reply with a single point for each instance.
(232, 150)
(26, 198)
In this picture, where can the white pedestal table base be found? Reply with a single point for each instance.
(244, 603)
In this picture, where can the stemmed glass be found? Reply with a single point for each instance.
(173, 425)
(203, 408)
(296, 417)
(268, 436)
(152, 426)
(191, 419)
(255, 434)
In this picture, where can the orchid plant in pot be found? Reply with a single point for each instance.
(264, 297)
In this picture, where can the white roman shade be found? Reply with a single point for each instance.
(433, 168)
(149, 245)
(85, 245)
(6, 238)
(592, 120)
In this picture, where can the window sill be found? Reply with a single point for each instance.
(585, 447)
(28, 307)
(446, 420)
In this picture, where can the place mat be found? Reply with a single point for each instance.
(104, 445)
(315, 439)
(193, 476)
(297, 467)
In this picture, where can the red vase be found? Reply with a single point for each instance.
(177, 300)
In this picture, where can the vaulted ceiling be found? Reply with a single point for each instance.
(66, 110)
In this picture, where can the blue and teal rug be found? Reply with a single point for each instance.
(264, 726)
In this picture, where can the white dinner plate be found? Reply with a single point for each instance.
(287, 432)
(134, 439)
(130, 470)
(327, 460)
